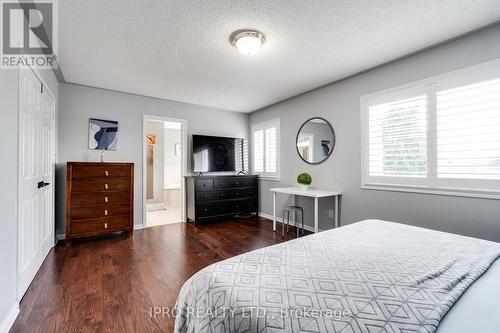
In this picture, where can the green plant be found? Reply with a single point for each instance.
(304, 178)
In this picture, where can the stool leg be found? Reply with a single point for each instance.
(297, 224)
(302, 222)
(302, 215)
(287, 220)
(283, 224)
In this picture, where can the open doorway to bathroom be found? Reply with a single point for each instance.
(164, 164)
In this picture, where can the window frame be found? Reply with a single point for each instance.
(489, 189)
(263, 126)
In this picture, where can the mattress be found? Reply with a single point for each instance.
(370, 276)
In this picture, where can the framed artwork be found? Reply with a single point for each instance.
(103, 134)
(325, 144)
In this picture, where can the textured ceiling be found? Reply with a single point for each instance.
(180, 50)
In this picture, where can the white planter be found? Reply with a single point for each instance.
(304, 187)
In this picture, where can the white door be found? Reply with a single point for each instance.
(36, 176)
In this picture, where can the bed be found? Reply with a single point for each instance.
(370, 276)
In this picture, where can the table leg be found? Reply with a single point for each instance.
(294, 202)
(336, 211)
(316, 215)
(274, 211)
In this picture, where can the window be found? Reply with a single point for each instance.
(440, 135)
(265, 143)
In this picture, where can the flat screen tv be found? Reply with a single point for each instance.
(217, 154)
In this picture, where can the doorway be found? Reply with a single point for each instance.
(164, 166)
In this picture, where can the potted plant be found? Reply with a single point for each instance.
(304, 179)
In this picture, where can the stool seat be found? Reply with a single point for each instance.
(294, 210)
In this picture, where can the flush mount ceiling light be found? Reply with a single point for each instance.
(247, 42)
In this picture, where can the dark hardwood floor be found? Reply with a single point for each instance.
(110, 284)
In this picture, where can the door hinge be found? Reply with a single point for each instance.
(41, 88)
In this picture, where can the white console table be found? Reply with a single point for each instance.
(316, 194)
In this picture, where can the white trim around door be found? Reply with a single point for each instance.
(184, 131)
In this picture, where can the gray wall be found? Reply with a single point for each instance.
(78, 104)
(9, 140)
(340, 104)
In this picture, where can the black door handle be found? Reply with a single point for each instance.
(42, 184)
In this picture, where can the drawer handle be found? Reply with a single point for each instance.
(206, 210)
(106, 173)
(237, 193)
(105, 226)
(204, 185)
(105, 199)
(206, 196)
(222, 194)
(237, 183)
(106, 186)
(105, 212)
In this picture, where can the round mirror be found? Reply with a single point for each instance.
(315, 140)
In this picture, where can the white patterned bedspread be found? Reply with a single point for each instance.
(370, 276)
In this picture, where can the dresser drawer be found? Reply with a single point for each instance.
(238, 206)
(209, 209)
(90, 199)
(242, 193)
(83, 213)
(206, 195)
(223, 194)
(251, 192)
(97, 171)
(237, 182)
(101, 185)
(97, 226)
(222, 182)
(242, 181)
(235, 206)
(204, 184)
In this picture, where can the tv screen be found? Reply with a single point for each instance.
(217, 154)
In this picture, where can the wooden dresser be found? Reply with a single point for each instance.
(218, 198)
(99, 199)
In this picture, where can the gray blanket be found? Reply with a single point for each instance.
(371, 276)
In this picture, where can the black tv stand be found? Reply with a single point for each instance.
(220, 198)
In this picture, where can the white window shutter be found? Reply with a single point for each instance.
(397, 138)
(265, 145)
(468, 131)
(271, 150)
(258, 151)
(440, 135)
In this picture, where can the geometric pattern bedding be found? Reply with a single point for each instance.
(370, 276)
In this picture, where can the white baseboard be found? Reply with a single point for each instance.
(7, 322)
(138, 226)
(279, 219)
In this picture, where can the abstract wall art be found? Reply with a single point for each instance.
(103, 134)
